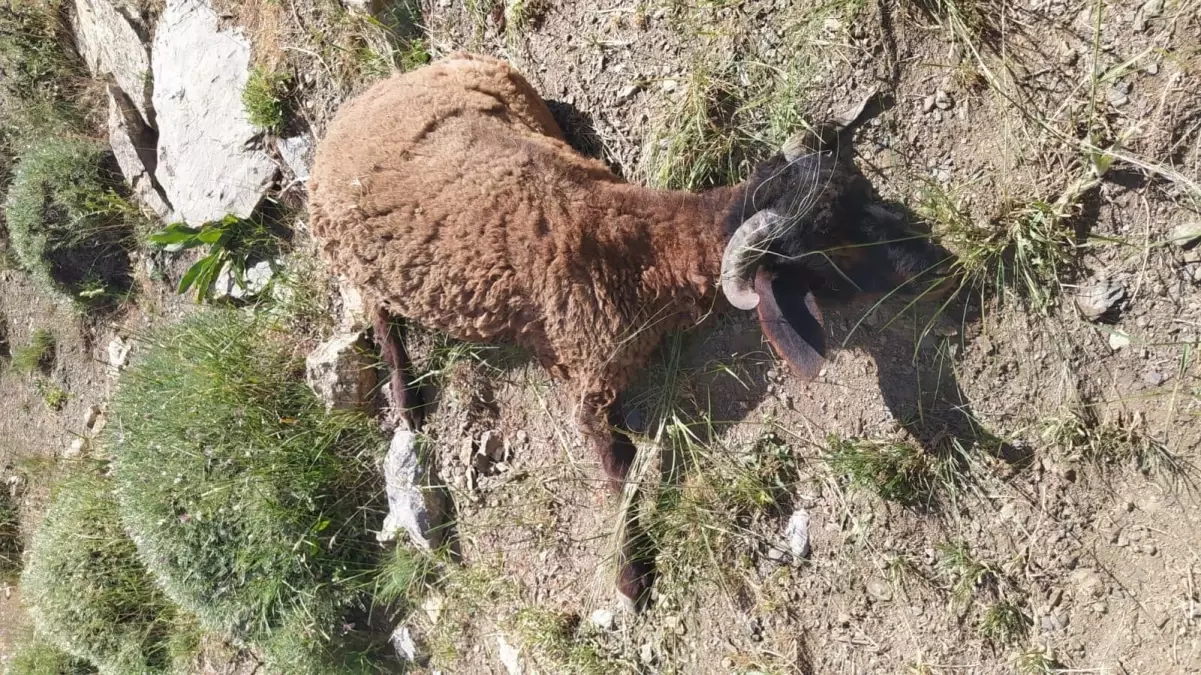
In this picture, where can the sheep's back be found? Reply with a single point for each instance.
(448, 195)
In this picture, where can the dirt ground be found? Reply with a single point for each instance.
(1077, 438)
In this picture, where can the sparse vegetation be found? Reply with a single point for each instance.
(88, 593)
(264, 98)
(38, 355)
(54, 396)
(894, 470)
(253, 507)
(1004, 623)
(69, 226)
(10, 534)
(562, 642)
(963, 570)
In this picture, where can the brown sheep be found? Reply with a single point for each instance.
(449, 197)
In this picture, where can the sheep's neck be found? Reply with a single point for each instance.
(688, 239)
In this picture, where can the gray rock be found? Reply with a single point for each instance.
(1118, 340)
(118, 354)
(943, 100)
(254, 281)
(207, 163)
(340, 373)
(412, 506)
(406, 646)
(1098, 298)
(796, 533)
(113, 43)
(1187, 235)
(297, 154)
(1154, 378)
(133, 147)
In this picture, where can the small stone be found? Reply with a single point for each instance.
(879, 589)
(492, 445)
(1118, 340)
(776, 554)
(1187, 235)
(510, 656)
(118, 353)
(797, 534)
(928, 103)
(1117, 99)
(76, 448)
(297, 154)
(1099, 297)
(433, 608)
(1154, 378)
(1008, 512)
(406, 646)
(340, 373)
(603, 619)
(943, 100)
(647, 653)
(627, 92)
(1100, 607)
(668, 86)
(91, 416)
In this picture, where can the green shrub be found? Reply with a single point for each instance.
(68, 226)
(86, 590)
(251, 505)
(35, 656)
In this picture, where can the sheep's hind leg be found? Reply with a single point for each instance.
(635, 557)
(406, 397)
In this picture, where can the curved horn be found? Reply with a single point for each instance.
(741, 258)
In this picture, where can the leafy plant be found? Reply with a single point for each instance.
(233, 243)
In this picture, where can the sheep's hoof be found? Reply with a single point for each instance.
(634, 581)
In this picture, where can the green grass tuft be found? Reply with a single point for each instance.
(38, 355)
(69, 227)
(35, 656)
(86, 590)
(896, 471)
(561, 641)
(252, 506)
(1004, 623)
(264, 98)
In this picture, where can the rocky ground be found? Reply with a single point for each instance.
(1065, 541)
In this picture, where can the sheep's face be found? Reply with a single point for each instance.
(816, 232)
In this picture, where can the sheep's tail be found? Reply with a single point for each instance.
(406, 397)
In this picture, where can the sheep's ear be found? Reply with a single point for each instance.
(791, 320)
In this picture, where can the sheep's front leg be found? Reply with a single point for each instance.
(406, 398)
(635, 560)
(615, 451)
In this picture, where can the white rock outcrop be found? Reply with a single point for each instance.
(340, 372)
(113, 42)
(133, 147)
(208, 161)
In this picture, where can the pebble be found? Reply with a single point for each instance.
(1099, 297)
(603, 619)
(647, 653)
(1154, 378)
(797, 534)
(879, 589)
(1118, 340)
(943, 100)
(1187, 235)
